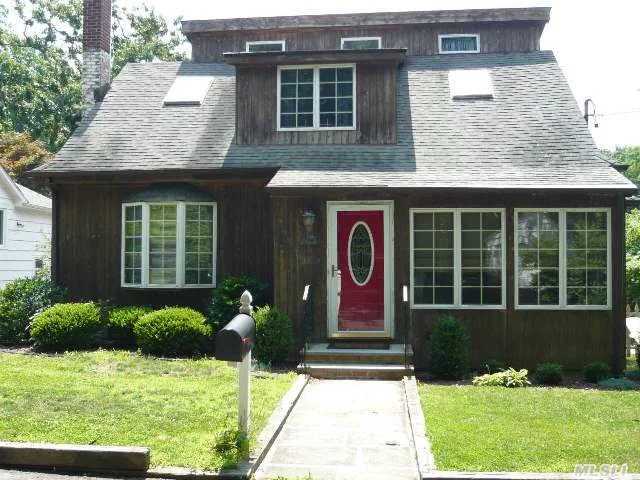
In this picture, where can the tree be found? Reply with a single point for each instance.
(40, 68)
(629, 156)
(19, 153)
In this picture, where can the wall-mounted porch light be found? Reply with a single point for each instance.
(309, 221)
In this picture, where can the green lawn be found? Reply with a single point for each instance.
(174, 407)
(530, 429)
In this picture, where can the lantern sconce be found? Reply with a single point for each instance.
(309, 221)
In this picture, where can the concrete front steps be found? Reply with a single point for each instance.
(371, 363)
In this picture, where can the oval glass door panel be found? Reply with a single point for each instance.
(361, 255)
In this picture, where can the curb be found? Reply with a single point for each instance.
(424, 456)
(132, 460)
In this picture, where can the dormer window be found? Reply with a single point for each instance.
(316, 97)
(459, 43)
(360, 43)
(265, 46)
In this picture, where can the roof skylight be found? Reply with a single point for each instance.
(188, 90)
(470, 84)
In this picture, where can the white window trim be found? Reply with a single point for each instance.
(454, 35)
(562, 261)
(356, 39)
(264, 42)
(316, 97)
(180, 246)
(3, 229)
(457, 260)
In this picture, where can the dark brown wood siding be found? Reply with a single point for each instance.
(522, 338)
(418, 39)
(88, 232)
(257, 99)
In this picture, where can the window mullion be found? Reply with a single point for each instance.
(562, 281)
(457, 261)
(316, 97)
(180, 243)
(145, 245)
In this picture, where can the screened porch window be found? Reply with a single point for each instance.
(168, 244)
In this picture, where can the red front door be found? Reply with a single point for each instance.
(360, 256)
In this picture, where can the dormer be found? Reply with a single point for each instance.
(326, 79)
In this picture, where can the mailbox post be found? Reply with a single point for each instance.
(233, 344)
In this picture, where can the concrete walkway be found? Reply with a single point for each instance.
(345, 429)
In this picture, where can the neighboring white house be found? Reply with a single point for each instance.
(25, 229)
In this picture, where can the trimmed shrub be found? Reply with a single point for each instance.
(20, 300)
(507, 378)
(120, 323)
(548, 374)
(173, 332)
(595, 371)
(638, 355)
(633, 374)
(225, 300)
(66, 326)
(449, 345)
(618, 384)
(492, 365)
(274, 335)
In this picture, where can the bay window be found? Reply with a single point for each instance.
(562, 258)
(168, 244)
(316, 97)
(457, 258)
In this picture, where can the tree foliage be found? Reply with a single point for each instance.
(629, 156)
(41, 60)
(19, 153)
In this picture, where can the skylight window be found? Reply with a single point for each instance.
(188, 90)
(469, 84)
(359, 43)
(265, 46)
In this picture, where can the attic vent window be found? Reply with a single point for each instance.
(470, 84)
(360, 43)
(459, 43)
(265, 46)
(188, 90)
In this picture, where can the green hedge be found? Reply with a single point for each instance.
(449, 348)
(595, 371)
(173, 332)
(120, 324)
(548, 374)
(66, 326)
(20, 300)
(274, 335)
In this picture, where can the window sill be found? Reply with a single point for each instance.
(316, 129)
(457, 307)
(602, 308)
(167, 287)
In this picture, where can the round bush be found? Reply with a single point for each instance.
(225, 300)
(618, 384)
(274, 335)
(120, 323)
(492, 365)
(548, 374)
(595, 371)
(449, 348)
(66, 326)
(173, 332)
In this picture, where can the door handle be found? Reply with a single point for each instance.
(334, 270)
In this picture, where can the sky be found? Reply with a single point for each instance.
(595, 42)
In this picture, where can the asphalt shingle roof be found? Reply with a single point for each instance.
(530, 135)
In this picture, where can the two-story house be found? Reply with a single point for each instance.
(441, 151)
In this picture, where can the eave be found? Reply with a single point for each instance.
(373, 55)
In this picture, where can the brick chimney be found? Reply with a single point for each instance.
(96, 50)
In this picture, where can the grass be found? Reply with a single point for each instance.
(530, 429)
(174, 407)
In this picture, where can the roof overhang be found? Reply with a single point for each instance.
(534, 14)
(373, 55)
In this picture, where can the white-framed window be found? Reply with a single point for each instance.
(3, 234)
(169, 244)
(265, 46)
(563, 258)
(360, 43)
(317, 97)
(459, 43)
(457, 258)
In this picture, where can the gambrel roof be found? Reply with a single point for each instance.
(530, 135)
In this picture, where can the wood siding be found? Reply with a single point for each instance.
(88, 233)
(257, 99)
(418, 39)
(522, 338)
